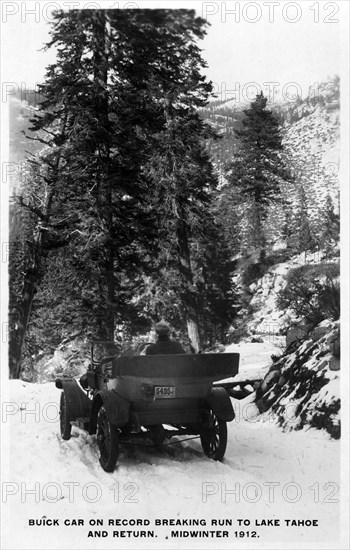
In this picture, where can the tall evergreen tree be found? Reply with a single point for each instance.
(182, 178)
(258, 170)
(217, 296)
(90, 87)
(303, 238)
(179, 168)
(330, 230)
(128, 171)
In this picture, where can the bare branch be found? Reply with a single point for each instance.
(29, 207)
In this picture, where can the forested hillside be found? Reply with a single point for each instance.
(311, 146)
(139, 199)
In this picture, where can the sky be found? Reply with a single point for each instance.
(279, 47)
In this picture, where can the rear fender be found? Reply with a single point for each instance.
(117, 409)
(78, 403)
(220, 402)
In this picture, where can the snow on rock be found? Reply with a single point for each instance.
(267, 319)
(302, 388)
(313, 143)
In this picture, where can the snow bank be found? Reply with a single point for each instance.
(266, 474)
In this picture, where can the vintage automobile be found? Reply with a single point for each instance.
(155, 397)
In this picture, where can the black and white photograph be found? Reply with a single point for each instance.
(174, 275)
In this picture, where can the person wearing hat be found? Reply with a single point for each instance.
(164, 344)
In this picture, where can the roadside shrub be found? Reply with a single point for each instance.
(312, 292)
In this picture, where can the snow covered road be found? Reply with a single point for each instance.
(266, 475)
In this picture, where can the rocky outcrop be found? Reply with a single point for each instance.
(302, 387)
(263, 317)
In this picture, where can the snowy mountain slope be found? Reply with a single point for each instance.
(310, 130)
(313, 145)
(311, 140)
(265, 474)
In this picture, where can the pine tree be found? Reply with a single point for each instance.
(125, 170)
(92, 87)
(182, 176)
(330, 230)
(214, 283)
(228, 211)
(258, 170)
(287, 232)
(304, 238)
(179, 169)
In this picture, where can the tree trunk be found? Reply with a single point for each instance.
(19, 326)
(32, 276)
(18, 332)
(101, 65)
(193, 334)
(258, 233)
(189, 297)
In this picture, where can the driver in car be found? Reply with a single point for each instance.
(164, 344)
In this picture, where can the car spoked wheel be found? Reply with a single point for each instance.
(107, 441)
(65, 425)
(214, 436)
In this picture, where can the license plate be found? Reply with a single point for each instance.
(162, 392)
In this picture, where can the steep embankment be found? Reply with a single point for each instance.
(313, 145)
(302, 387)
(311, 141)
(265, 318)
